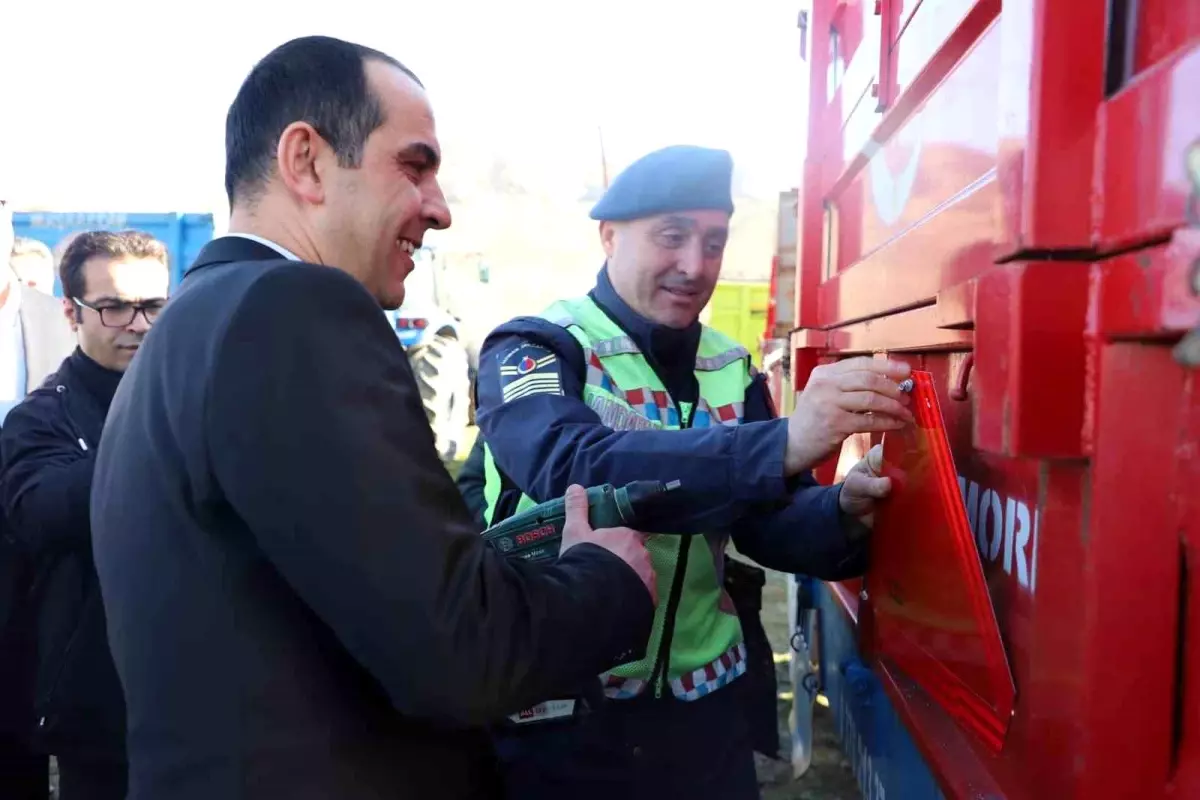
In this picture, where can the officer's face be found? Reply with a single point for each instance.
(666, 267)
(110, 330)
(372, 217)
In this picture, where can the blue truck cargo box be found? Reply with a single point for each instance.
(183, 234)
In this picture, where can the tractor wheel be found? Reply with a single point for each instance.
(442, 373)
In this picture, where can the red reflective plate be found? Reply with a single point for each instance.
(930, 614)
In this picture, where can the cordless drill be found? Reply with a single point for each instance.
(536, 534)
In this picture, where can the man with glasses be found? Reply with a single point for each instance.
(114, 285)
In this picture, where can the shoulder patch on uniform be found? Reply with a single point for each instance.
(529, 369)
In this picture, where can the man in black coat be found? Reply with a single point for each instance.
(35, 338)
(114, 285)
(299, 604)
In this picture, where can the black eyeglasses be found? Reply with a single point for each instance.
(120, 315)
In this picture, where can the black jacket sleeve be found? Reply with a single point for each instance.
(46, 481)
(317, 437)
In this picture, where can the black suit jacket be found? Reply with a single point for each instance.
(299, 605)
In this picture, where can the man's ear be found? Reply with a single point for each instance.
(297, 158)
(71, 312)
(608, 238)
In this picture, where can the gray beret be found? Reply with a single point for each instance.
(676, 178)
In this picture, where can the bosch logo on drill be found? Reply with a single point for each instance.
(535, 535)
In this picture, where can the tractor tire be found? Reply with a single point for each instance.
(442, 372)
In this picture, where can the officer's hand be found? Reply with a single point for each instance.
(863, 487)
(858, 395)
(625, 543)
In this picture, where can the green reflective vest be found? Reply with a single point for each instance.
(696, 641)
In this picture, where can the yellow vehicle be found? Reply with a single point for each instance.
(738, 309)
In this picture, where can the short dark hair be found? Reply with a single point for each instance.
(315, 79)
(107, 244)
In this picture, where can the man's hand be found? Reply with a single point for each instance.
(858, 395)
(863, 487)
(625, 543)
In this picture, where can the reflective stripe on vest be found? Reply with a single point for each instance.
(620, 386)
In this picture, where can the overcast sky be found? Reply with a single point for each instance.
(119, 104)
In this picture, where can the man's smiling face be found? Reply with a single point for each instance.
(666, 267)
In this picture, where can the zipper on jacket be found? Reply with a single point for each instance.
(663, 659)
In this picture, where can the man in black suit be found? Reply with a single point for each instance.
(299, 605)
(35, 338)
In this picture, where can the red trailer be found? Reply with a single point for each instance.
(1007, 196)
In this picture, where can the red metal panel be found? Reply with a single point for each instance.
(948, 145)
(1142, 181)
(810, 248)
(913, 330)
(930, 611)
(1131, 592)
(1052, 69)
(1084, 514)
(1147, 293)
(849, 19)
(810, 256)
(1046, 730)
(921, 213)
(1186, 758)
(1163, 27)
(924, 120)
(1030, 358)
(922, 31)
(951, 247)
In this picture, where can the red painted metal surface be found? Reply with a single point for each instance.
(929, 607)
(1163, 28)
(1031, 356)
(1052, 63)
(995, 216)
(1141, 170)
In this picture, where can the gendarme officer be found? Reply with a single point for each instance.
(626, 384)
